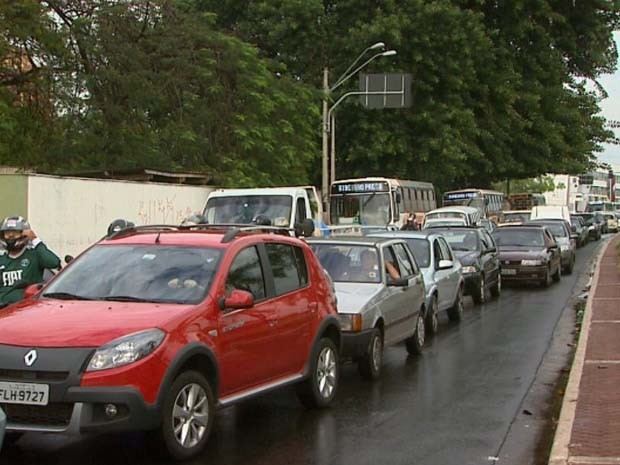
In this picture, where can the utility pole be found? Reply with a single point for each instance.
(325, 186)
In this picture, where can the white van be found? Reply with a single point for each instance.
(541, 212)
(283, 206)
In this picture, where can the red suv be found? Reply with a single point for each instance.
(153, 328)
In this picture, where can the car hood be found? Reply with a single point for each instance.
(466, 257)
(355, 297)
(68, 323)
(520, 253)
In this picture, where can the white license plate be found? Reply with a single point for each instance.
(509, 271)
(24, 393)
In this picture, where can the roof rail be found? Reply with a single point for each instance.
(146, 228)
(230, 235)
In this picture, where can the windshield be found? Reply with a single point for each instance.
(531, 237)
(516, 217)
(421, 251)
(244, 209)
(366, 209)
(148, 273)
(557, 229)
(462, 241)
(349, 263)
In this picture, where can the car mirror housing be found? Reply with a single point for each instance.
(445, 264)
(236, 300)
(400, 282)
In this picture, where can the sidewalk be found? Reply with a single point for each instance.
(588, 431)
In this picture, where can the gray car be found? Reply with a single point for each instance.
(2, 426)
(381, 296)
(562, 233)
(443, 277)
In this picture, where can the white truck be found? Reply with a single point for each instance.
(69, 214)
(282, 206)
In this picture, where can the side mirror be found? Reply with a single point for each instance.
(574, 236)
(491, 250)
(305, 228)
(32, 290)
(400, 282)
(398, 197)
(445, 264)
(573, 228)
(68, 259)
(236, 300)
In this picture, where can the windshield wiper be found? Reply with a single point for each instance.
(126, 298)
(65, 296)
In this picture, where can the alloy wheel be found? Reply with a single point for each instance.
(190, 416)
(326, 372)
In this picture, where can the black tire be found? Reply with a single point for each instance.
(325, 358)
(415, 343)
(558, 274)
(496, 290)
(187, 385)
(547, 280)
(432, 317)
(480, 295)
(370, 364)
(11, 438)
(569, 268)
(455, 313)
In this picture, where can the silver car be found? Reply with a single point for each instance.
(381, 296)
(442, 272)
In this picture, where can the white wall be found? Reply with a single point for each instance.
(70, 214)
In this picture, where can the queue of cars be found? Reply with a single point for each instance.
(156, 327)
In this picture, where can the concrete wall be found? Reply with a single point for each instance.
(13, 195)
(70, 214)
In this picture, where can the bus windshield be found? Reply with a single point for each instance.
(366, 209)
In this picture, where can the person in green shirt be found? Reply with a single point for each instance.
(23, 258)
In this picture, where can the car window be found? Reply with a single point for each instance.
(519, 237)
(421, 251)
(487, 241)
(300, 211)
(404, 261)
(302, 267)
(349, 263)
(246, 274)
(391, 261)
(465, 240)
(445, 249)
(286, 275)
(437, 252)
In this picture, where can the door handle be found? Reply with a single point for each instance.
(313, 306)
(273, 322)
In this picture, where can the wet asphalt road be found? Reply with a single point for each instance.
(452, 405)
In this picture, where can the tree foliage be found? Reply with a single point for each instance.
(233, 87)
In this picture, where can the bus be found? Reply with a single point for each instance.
(376, 201)
(490, 203)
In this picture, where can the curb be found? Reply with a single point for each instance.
(561, 440)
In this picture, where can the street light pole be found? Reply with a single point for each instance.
(328, 126)
(325, 128)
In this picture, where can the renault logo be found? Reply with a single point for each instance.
(30, 358)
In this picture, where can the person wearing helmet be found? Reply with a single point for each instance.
(23, 258)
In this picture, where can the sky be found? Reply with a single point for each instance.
(611, 110)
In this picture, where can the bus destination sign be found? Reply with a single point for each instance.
(460, 195)
(360, 187)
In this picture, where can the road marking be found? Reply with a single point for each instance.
(594, 362)
(606, 321)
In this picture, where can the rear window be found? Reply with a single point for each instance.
(349, 263)
(531, 237)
